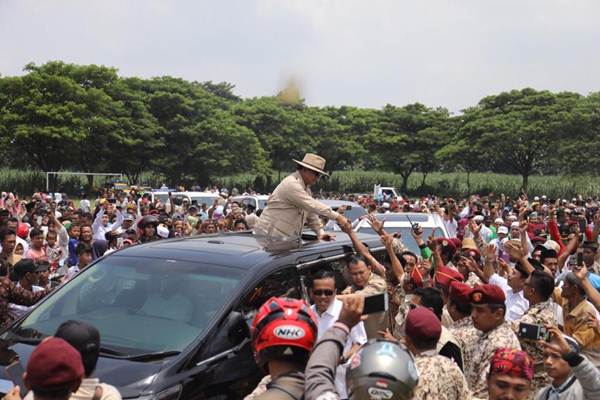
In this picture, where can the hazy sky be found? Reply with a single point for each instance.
(356, 52)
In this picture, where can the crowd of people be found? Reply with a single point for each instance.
(505, 307)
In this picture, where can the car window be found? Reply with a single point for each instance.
(283, 283)
(139, 305)
(163, 197)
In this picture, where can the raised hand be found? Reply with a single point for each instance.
(387, 335)
(561, 347)
(375, 223)
(474, 228)
(388, 240)
(352, 309)
(523, 225)
(504, 265)
(490, 252)
(514, 249)
(581, 272)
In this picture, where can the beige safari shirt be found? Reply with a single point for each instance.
(375, 285)
(289, 207)
(378, 321)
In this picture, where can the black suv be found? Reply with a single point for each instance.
(174, 315)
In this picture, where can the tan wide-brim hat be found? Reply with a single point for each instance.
(469, 244)
(313, 162)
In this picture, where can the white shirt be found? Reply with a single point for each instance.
(451, 227)
(516, 303)
(100, 230)
(357, 335)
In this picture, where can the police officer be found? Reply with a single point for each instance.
(291, 205)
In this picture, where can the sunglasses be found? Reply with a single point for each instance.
(325, 292)
(412, 306)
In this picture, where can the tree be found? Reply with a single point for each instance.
(52, 110)
(221, 147)
(137, 139)
(406, 137)
(581, 128)
(222, 89)
(519, 125)
(276, 126)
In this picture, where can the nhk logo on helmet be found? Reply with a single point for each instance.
(289, 332)
(377, 393)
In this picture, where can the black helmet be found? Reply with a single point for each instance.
(148, 220)
(381, 369)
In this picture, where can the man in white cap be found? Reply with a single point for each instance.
(291, 204)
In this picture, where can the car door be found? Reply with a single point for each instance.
(237, 376)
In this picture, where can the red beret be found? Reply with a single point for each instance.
(512, 362)
(54, 364)
(460, 292)
(456, 241)
(487, 294)
(445, 275)
(447, 245)
(422, 323)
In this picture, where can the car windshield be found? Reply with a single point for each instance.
(262, 204)
(406, 237)
(139, 305)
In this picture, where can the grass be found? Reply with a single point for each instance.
(445, 184)
(451, 184)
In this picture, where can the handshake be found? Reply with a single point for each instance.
(344, 224)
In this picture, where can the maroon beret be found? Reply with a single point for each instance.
(445, 275)
(447, 245)
(487, 294)
(457, 242)
(460, 292)
(54, 364)
(422, 323)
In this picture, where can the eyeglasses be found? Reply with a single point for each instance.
(325, 292)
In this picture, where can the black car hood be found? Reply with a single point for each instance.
(131, 378)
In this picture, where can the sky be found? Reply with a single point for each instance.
(364, 53)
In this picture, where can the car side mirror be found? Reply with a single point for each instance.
(236, 327)
(231, 337)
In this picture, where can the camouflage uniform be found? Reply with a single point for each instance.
(402, 300)
(465, 334)
(481, 352)
(539, 314)
(439, 378)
